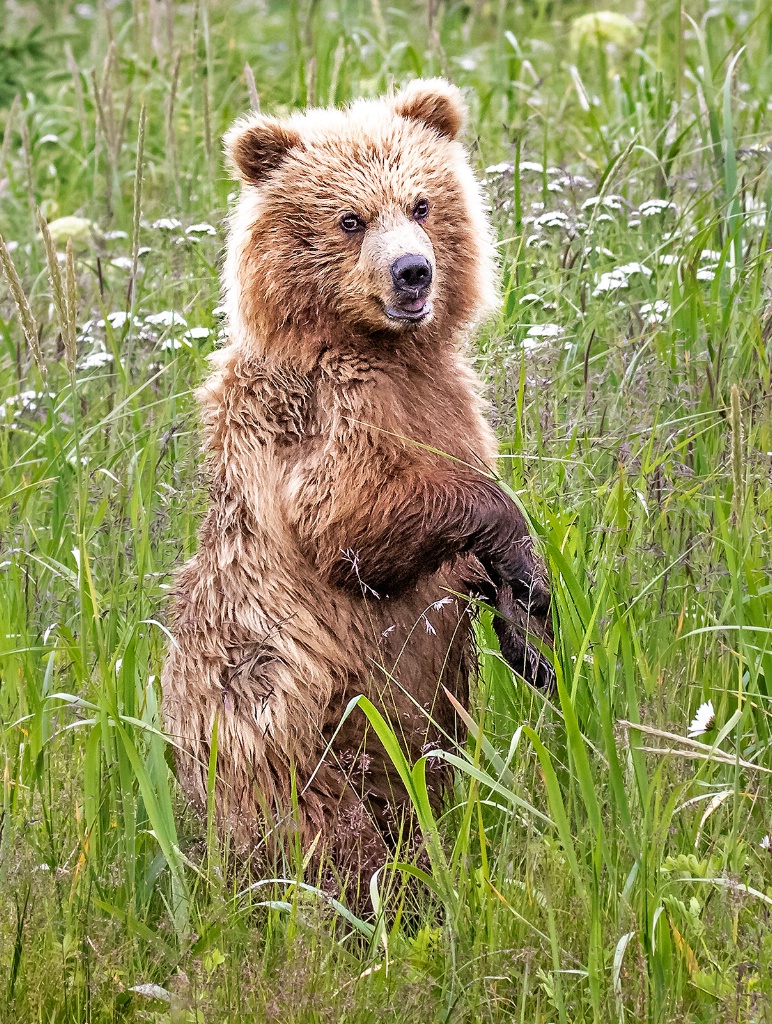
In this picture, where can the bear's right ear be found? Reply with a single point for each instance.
(256, 145)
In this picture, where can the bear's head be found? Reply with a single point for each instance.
(367, 220)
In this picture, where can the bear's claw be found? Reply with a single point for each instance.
(524, 629)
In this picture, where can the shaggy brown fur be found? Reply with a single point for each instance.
(350, 495)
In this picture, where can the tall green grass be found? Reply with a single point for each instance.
(596, 863)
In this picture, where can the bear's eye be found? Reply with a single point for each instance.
(351, 223)
(421, 209)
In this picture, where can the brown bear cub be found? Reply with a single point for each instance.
(352, 503)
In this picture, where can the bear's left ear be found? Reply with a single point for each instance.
(433, 102)
(256, 145)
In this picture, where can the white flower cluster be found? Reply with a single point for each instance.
(25, 402)
(166, 319)
(655, 312)
(173, 226)
(619, 277)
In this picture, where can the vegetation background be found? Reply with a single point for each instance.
(598, 863)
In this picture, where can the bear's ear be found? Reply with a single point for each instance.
(433, 102)
(256, 145)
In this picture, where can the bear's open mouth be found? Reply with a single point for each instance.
(411, 310)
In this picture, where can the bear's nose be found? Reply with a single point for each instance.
(411, 272)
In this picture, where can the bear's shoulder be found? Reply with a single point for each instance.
(266, 397)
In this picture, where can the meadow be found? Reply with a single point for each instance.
(607, 854)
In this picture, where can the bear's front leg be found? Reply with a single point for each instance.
(403, 526)
(380, 541)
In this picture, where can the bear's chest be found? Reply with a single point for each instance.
(434, 408)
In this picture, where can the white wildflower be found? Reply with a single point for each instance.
(706, 274)
(166, 318)
(115, 236)
(657, 311)
(703, 721)
(220, 311)
(501, 168)
(531, 165)
(604, 218)
(153, 992)
(196, 334)
(95, 360)
(710, 256)
(635, 268)
(611, 281)
(545, 331)
(610, 202)
(116, 320)
(172, 344)
(121, 262)
(167, 224)
(143, 250)
(200, 229)
(766, 843)
(529, 297)
(533, 344)
(552, 219)
(652, 207)
(668, 260)
(25, 401)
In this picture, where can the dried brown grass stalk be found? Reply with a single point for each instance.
(26, 318)
(738, 467)
(104, 132)
(29, 175)
(105, 92)
(337, 64)
(123, 125)
(77, 85)
(137, 200)
(254, 95)
(171, 135)
(58, 293)
(9, 127)
(71, 297)
(207, 123)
